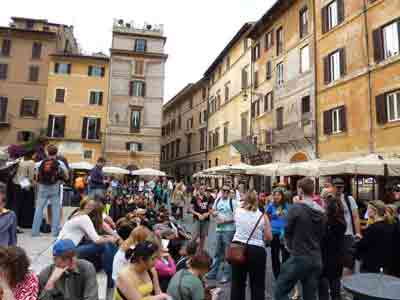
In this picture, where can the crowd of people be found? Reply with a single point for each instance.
(135, 231)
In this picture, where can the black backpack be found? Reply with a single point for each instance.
(49, 172)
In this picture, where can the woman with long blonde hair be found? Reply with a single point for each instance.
(252, 228)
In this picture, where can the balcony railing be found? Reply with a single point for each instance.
(291, 132)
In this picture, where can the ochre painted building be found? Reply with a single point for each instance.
(76, 105)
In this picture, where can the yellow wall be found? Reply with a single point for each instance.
(76, 104)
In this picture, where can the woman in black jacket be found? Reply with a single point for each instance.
(332, 248)
(376, 247)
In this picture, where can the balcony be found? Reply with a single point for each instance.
(292, 132)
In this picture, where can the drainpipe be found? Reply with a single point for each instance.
(371, 146)
(315, 81)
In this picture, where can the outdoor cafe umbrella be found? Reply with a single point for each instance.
(115, 170)
(308, 168)
(240, 168)
(267, 169)
(148, 172)
(83, 165)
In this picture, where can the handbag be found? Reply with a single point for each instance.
(237, 253)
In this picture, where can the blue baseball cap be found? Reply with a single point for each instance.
(63, 246)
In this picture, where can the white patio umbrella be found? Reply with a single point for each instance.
(148, 172)
(115, 170)
(82, 165)
(267, 169)
(240, 168)
(307, 168)
(213, 170)
(372, 164)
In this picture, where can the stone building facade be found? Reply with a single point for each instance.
(25, 48)
(137, 67)
(184, 132)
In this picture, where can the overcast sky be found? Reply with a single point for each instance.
(197, 30)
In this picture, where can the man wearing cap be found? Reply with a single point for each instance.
(352, 219)
(68, 278)
(223, 211)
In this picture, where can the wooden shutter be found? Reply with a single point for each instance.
(5, 48)
(342, 54)
(327, 122)
(36, 108)
(140, 147)
(342, 118)
(130, 88)
(324, 19)
(101, 98)
(84, 127)
(3, 108)
(381, 109)
(327, 71)
(378, 44)
(98, 129)
(144, 89)
(340, 7)
(56, 65)
(128, 146)
(103, 71)
(69, 68)
(49, 125)
(90, 70)
(62, 126)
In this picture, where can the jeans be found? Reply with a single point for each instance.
(90, 250)
(96, 192)
(305, 269)
(277, 248)
(223, 239)
(255, 267)
(46, 194)
(329, 286)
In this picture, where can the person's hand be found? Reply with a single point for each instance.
(201, 218)
(54, 277)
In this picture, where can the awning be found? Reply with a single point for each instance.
(245, 148)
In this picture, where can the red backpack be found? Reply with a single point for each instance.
(49, 172)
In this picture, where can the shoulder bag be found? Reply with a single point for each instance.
(236, 253)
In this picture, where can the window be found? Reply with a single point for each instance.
(268, 40)
(226, 133)
(189, 143)
(228, 62)
(244, 124)
(202, 139)
(190, 103)
(391, 39)
(255, 79)
(335, 120)
(189, 123)
(204, 93)
(137, 88)
(305, 105)
(60, 95)
(332, 15)
(205, 115)
(62, 68)
(36, 50)
(139, 67)
(256, 52)
(29, 108)
(135, 121)
(172, 149)
(96, 71)
(279, 41)
(96, 98)
(245, 80)
(163, 131)
(279, 118)
(216, 162)
(5, 48)
(29, 24)
(303, 22)
(178, 146)
(216, 137)
(25, 136)
(253, 110)
(245, 45)
(200, 118)
(167, 151)
(87, 154)
(279, 74)
(227, 92)
(334, 66)
(304, 59)
(393, 106)
(33, 73)
(56, 126)
(268, 69)
(3, 71)
(179, 122)
(3, 109)
(91, 128)
(268, 105)
(173, 125)
(140, 45)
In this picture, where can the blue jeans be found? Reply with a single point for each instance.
(90, 250)
(223, 239)
(96, 192)
(305, 269)
(46, 194)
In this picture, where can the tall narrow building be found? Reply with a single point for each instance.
(25, 48)
(137, 69)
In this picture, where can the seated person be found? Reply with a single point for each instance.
(68, 277)
(187, 251)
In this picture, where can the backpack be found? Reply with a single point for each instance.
(49, 172)
(230, 203)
